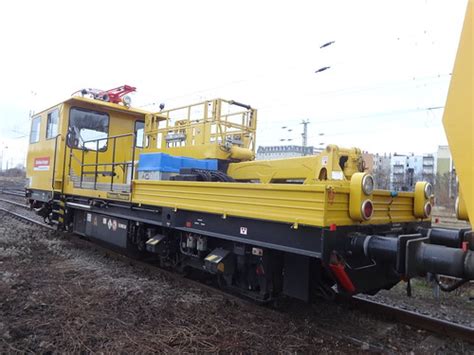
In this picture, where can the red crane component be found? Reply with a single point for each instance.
(115, 95)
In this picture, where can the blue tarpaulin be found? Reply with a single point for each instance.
(167, 163)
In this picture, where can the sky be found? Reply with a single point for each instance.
(390, 64)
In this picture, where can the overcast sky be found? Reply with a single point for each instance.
(389, 70)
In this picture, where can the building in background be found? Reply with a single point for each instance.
(428, 168)
(368, 161)
(446, 187)
(400, 172)
(444, 162)
(381, 171)
(284, 151)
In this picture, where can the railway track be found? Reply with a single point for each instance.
(14, 192)
(27, 219)
(14, 203)
(417, 320)
(435, 325)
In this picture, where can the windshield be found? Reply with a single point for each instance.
(88, 129)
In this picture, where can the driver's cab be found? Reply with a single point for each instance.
(83, 143)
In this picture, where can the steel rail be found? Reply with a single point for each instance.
(27, 219)
(432, 324)
(14, 203)
(14, 193)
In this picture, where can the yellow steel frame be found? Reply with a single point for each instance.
(204, 131)
(320, 204)
(458, 117)
(307, 169)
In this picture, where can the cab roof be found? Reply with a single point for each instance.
(99, 103)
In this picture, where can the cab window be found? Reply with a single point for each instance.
(35, 129)
(88, 129)
(52, 124)
(139, 130)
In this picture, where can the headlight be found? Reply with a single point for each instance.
(127, 100)
(422, 195)
(368, 184)
(367, 209)
(427, 209)
(428, 190)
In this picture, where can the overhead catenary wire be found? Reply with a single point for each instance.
(363, 116)
(409, 81)
(288, 70)
(374, 128)
(377, 128)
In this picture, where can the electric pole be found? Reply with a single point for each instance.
(304, 135)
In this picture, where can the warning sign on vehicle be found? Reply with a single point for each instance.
(112, 224)
(41, 164)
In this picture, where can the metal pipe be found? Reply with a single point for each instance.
(78, 205)
(96, 163)
(443, 236)
(113, 166)
(107, 138)
(381, 248)
(419, 257)
(439, 259)
(82, 168)
(64, 166)
(133, 164)
(54, 159)
(232, 102)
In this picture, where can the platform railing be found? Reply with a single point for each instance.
(239, 120)
(85, 167)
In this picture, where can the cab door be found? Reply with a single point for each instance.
(44, 150)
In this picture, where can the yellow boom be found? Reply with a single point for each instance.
(458, 117)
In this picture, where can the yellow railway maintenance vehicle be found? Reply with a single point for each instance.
(182, 186)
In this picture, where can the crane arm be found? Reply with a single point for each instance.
(458, 119)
